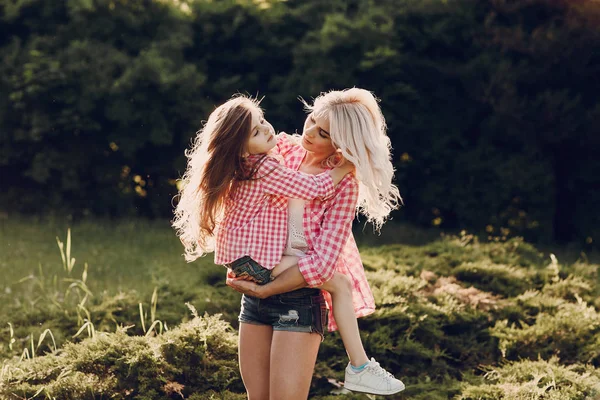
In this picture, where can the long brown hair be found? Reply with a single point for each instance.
(214, 162)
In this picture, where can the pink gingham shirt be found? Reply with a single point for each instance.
(255, 217)
(256, 225)
(328, 229)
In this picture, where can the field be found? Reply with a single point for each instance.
(128, 318)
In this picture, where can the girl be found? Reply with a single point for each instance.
(231, 180)
(347, 122)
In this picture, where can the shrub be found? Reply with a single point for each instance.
(566, 332)
(196, 357)
(536, 380)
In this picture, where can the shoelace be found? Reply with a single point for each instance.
(377, 370)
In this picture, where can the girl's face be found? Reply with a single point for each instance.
(315, 137)
(262, 134)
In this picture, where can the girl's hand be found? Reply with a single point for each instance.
(338, 173)
(246, 287)
(347, 167)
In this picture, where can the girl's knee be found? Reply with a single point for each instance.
(340, 283)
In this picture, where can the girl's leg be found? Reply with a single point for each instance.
(340, 289)
(285, 263)
(370, 378)
(293, 358)
(254, 354)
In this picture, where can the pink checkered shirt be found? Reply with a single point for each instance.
(255, 220)
(328, 230)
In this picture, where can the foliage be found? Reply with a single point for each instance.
(533, 380)
(491, 106)
(195, 357)
(520, 325)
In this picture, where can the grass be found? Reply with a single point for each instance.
(456, 318)
(121, 254)
(127, 262)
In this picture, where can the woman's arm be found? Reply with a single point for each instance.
(290, 279)
(319, 265)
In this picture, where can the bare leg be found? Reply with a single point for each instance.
(254, 356)
(285, 263)
(293, 357)
(340, 289)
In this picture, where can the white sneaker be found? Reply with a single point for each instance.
(372, 379)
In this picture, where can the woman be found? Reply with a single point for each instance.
(278, 347)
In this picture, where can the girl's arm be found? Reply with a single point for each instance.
(319, 265)
(277, 179)
(285, 143)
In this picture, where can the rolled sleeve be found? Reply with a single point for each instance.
(277, 179)
(285, 143)
(319, 265)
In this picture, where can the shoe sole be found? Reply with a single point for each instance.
(363, 389)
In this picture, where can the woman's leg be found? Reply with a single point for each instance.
(254, 356)
(340, 289)
(293, 358)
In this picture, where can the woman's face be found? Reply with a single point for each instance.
(315, 136)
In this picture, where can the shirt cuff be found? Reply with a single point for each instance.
(326, 181)
(310, 275)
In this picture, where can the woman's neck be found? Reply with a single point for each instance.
(313, 159)
(313, 163)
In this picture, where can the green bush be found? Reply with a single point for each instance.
(196, 357)
(500, 279)
(536, 380)
(568, 333)
(445, 337)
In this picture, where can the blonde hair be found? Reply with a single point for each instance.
(358, 130)
(214, 161)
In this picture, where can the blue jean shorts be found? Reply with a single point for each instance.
(302, 310)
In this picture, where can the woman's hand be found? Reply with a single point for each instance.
(246, 287)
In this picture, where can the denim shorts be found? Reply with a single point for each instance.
(246, 266)
(302, 310)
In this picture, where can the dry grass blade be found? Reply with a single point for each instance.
(43, 336)
(12, 336)
(61, 247)
(70, 260)
(76, 283)
(4, 372)
(84, 273)
(25, 354)
(90, 328)
(40, 390)
(153, 302)
(32, 347)
(142, 317)
(152, 327)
